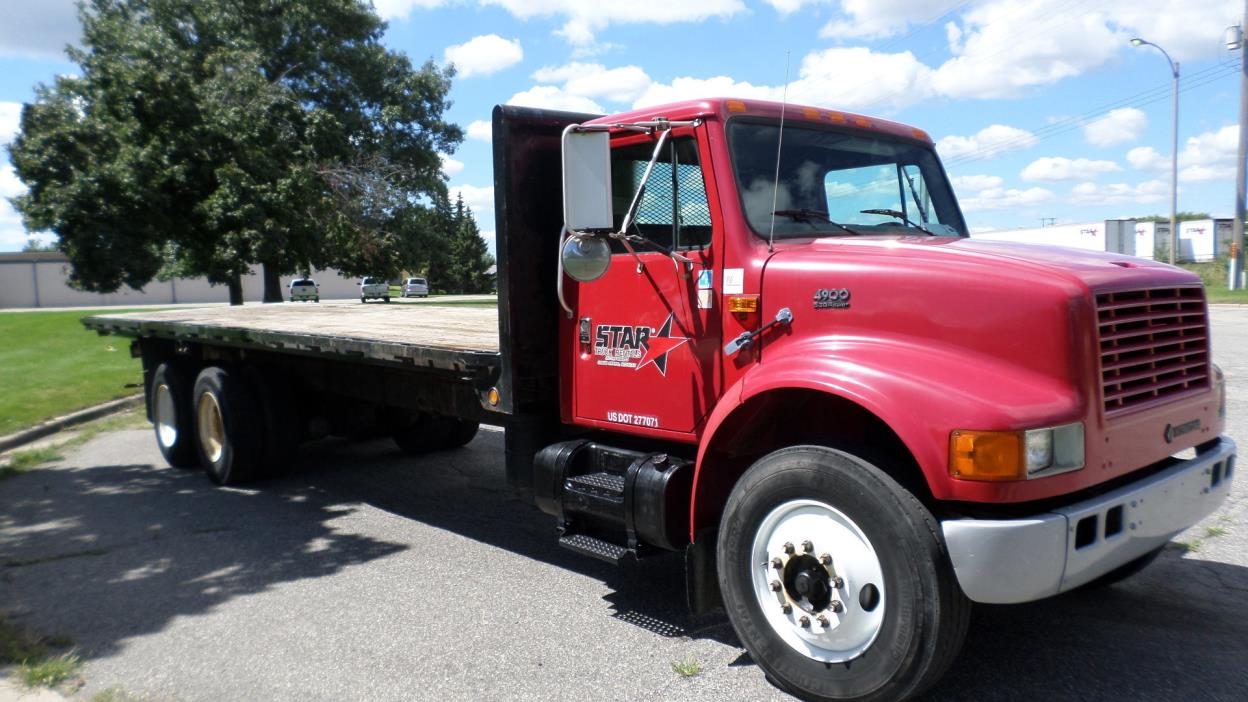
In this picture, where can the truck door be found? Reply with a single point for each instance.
(647, 333)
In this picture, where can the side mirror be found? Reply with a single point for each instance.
(585, 258)
(587, 181)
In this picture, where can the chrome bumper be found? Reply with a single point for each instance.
(1020, 560)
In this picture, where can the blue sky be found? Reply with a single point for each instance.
(1040, 108)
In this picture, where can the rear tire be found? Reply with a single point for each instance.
(229, 423)
(386, 298)
(898, 617)
(363, 299)
(170, 403)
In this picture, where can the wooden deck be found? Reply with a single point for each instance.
(422, 333)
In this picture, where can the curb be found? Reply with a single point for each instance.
(54, 425)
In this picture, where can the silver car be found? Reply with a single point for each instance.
(415, 287)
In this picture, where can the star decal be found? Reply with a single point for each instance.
(662, 343)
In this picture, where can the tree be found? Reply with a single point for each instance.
(1179, 217)
(206, 136)
(469, 257)
(33, 245)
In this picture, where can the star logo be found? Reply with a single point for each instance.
(662, 343)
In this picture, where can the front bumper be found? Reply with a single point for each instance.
(1020, 560)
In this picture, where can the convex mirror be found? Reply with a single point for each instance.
(586, 258)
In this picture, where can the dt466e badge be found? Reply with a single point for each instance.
(634, 346)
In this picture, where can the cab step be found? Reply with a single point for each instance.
(594, 547)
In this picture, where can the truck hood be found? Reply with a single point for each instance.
(1095, 269)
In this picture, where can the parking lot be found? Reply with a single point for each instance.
(366, 575)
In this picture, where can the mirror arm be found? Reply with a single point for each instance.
(559, 284)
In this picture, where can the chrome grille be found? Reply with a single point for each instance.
(1154, 345)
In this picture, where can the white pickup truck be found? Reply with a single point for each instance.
(374, 289)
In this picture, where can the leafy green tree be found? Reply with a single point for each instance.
(33, 245)
(1179, 217)
(206, 136)
(470, 259)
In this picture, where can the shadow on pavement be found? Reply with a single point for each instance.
(113, 551)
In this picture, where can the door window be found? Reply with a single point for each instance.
(673, 210)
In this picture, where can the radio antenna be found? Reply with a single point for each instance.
(775, 192)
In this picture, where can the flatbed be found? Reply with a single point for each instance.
(441, 338)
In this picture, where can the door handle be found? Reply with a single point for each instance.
(783, 318)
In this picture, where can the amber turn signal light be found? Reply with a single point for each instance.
(987, 455)
(742, 304)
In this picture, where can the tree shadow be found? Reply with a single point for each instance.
(112, 551)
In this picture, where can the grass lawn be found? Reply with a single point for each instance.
(1222, 295)
(50, 365)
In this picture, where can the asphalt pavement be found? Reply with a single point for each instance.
(367, 575)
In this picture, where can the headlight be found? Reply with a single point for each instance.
(1016, 455)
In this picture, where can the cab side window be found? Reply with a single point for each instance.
(673, 210)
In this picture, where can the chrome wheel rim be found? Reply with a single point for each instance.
(818, 581)
(211, 428)
(166, 416)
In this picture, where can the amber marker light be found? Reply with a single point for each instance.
(735, 105)
(987, 455)
(493, 397)
(743, 304)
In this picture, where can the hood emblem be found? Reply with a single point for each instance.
(1174, 431)
(831, 298)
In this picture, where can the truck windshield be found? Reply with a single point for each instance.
(837, 175)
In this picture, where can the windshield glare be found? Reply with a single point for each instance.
(826, 174)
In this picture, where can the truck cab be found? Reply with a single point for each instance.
(780, 305)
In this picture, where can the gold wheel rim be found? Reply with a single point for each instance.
(211, 428)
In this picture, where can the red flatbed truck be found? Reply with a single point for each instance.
(757, 334)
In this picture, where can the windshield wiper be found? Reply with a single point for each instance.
(808, 216)
(902, 217)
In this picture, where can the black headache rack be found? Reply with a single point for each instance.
(528, 218)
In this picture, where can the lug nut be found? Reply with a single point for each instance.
(786, 608)
(805, 622)
(807, 546)
(837, 582)
(836, 606)
(788, 548)
(825, 559)
(775, 586)
(823, 621)
(777, 563)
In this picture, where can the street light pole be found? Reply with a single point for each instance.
(1237, 226)
(1174, 147)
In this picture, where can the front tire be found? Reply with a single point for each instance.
(170, 402)
(229, 423)
(867, 606)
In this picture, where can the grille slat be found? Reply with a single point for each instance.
(1154, 345)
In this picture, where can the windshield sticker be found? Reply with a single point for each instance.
(734, 281)
(706, 279)
(628, 346)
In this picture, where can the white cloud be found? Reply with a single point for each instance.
(450, 166)
(39, 30)
(1001, 198)
(1053, 168)
(894, 79)
(1147, 158)
(553, 98)
(1118, 127)
(992, 140)
(484, 55)
(13, 235)
(10, 121)
(480, 199)
(583, 19)
(400, 9)
(877, 18)
(1187, 28)
(976, 183)
(593, 80)
(787, 7)
(1118, 193)
(481, 130)
(1206, 156)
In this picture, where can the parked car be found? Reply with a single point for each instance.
(374, 289)
(415, 287)
(304, 290)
